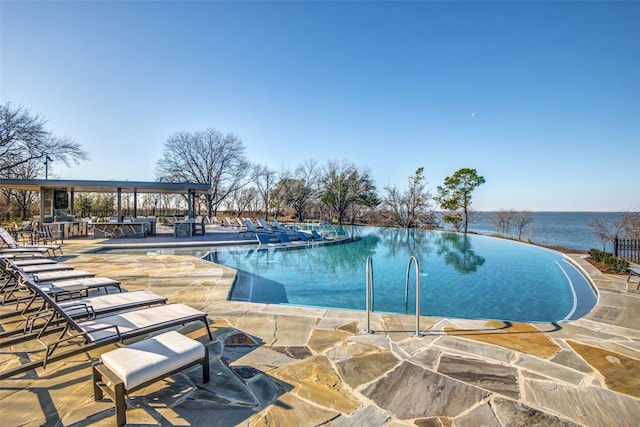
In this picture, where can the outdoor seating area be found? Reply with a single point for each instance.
(68, 311)
(8, 244)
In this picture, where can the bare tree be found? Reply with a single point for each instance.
(344, 185)
(631, 225)
(24, 138)
(606, 230)
(502, 220)
(264, 179)
(297, 190)
(411, 207)
(523, 223)
(205, 157)
(22, 200)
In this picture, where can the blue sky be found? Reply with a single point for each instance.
(542, 98)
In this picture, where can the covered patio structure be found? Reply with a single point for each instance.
(57, 195)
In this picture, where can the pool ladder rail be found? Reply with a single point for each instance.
(370, 300)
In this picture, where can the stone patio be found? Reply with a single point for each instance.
(280, 365)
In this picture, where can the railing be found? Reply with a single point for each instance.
(370, 300)
(369, 293)
(628, 249)
(406, 292)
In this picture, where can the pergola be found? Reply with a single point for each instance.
(48, 186)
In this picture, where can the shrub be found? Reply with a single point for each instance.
(617, 264)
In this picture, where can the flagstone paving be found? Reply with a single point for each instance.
(276, 365)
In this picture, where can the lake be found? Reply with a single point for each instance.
(567, 229)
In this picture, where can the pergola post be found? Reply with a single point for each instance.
(119, 204)
(72, 209)
(42, 203)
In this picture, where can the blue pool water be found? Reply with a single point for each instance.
(471, 276)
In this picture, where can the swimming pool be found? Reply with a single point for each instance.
(472, 276)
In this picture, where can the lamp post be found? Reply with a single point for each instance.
(47, 159)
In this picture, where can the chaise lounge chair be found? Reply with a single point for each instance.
(59, 284)
(11, 243)
(106, 330)
(11, 253)
(264, 225)
(43, 268)
(316, 235)
(634, 271)
(253, 229)
(265, 239)
(86, 307)
(32, 261)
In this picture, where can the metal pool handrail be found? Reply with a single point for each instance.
(406, 292)
(370, 294)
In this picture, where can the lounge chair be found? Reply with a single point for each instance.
(303, 235)
(87, 307)
(61, 284)
(23, 252)
(124, 370)
(264, 225)
(52, 276)
(281, 229)
(42, 268)
(284, 238)
(45, 236)
(127, 369)
(316, 235)
(278, 226)
(102, 304)
(252, 228)
(634, 271)
(263, 239)
(106, 330)
(14, 290)
(59, 275)
(33, 261)
(11, 243)
(11, 272)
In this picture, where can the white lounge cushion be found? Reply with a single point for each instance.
(138, 319)
(61, 275)
(113, 301)
(90, 282)
(38, 268)
(152, 358)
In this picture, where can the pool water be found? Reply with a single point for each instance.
(464, 276)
